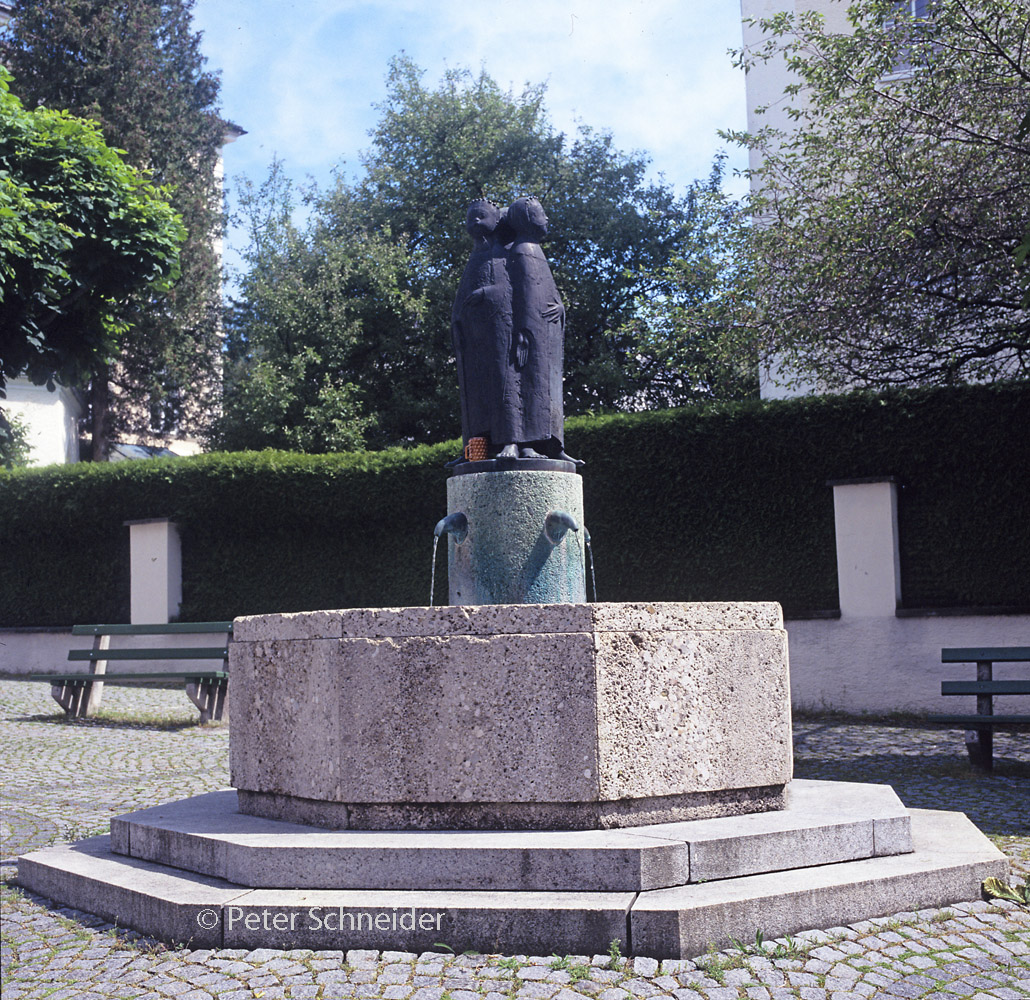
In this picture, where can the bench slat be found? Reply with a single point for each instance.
(996, 654)
(981, 721)
(80, 678)
(172, 628)
(162, 653)
(985, 687)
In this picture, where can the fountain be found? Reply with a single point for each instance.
(517, 771)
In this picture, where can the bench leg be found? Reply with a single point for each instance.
(73, 697)
(980, 747)
(221, 687)
(980, 742)
(209, 697)
(97, 667)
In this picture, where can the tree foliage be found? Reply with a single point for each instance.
(695, 338)
(135, 66)
(357, 301)
(15, 447)
(318, 306)
(888, 219)
(80, 232)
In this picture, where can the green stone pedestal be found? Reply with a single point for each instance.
(514, 552)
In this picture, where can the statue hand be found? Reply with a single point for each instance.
(554, 312)
(521, 349)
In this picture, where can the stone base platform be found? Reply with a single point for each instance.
(203, 873)
(825, 822)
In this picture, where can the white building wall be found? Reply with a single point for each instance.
(766, 81)
(892, 664)
(767, 107)
(51, 418)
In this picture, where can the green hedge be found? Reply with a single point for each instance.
(724, 502)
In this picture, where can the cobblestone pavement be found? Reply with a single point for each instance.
(65, 780)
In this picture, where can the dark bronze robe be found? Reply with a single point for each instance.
(533, 384)
(481, 327)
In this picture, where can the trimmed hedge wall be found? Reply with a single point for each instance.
(723, 502)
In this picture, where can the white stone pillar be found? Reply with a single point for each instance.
(865, 514)
(155, 568)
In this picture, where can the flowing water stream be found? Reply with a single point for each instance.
(432, 574)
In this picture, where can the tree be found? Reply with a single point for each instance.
(80, 232)
(398, 244)
(313, 307)
(887, 222)
(695, 340)
(135, 67)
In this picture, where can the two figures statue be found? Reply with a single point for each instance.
(508, 326)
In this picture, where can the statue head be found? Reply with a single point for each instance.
(528, 218)
(482, 218)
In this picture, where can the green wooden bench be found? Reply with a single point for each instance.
(980, 727)
(79, 693)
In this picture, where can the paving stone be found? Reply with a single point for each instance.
(802, 978)
(533, 972)
(537, 990)
(645, 966)
(641, 987)
(905, 988)
(738, 977)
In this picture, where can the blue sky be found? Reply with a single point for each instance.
(302, 76)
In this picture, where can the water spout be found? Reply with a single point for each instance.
(557, 524)
(456, 524)
(590, 554)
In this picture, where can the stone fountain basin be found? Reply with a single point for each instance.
(516, 717)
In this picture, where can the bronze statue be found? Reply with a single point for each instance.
(481, 321)
(508, 327)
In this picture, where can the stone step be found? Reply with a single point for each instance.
(824, 822)
(950, 859)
